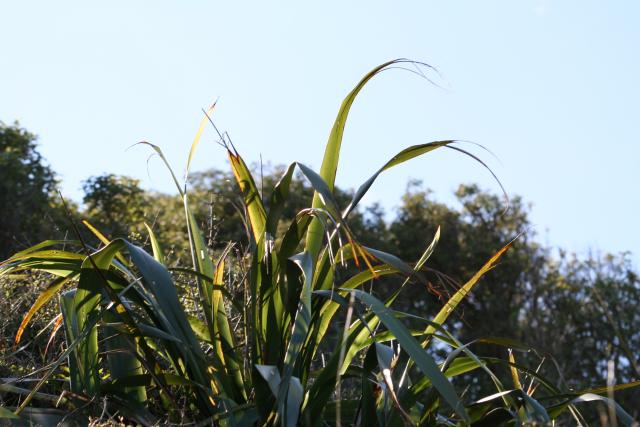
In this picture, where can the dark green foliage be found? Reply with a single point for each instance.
(533, 296)
(30, 211)
(116, 204)
(584, 312)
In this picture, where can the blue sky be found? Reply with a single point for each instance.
(550, 87)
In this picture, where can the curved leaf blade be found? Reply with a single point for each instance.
(418, 354)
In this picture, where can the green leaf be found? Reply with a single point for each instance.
(42, 299)
(155, 245)
(79, 312)
(332, 153)
(460, 366)
(103, 239)
(324, 385)
(401, 157)
(456, 298)
(50, 255)
(295, 393)
(196, 140)
(299, 334)
(214, 310)
(166, 163)
(147, 330)
(429, 251)
(323, 191)
(392, 260)
(252, 200)
(606, 389)
(73, 335)
(122, 357)
(532, 408)
(278, 199)
(34, 416)
(36, 248)
(218, 288)
(330, 307)
(6, 413)
(271, 375)
(622, 415)
(421, 358)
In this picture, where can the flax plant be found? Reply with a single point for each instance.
(132, 348)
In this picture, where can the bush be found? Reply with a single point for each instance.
(286, 336)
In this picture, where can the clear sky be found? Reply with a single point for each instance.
(551, 87)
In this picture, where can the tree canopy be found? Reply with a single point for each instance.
(30, 210)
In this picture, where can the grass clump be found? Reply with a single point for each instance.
(280, 332)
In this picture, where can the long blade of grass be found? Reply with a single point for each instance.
(323, 191)
(196, 140)
(326, 197)
(35, 248)
(217, 320)
(330, 307)
(331, 157)
(123, 360)
(278, 199)
(323, 386)
(252, 200)
(421, 358)
(403, 156)
(456, 298)
(44, 255)
(627, 420)
(385, 355)
(44, 297)
(299, 333)
(85, 307)
(166, 163)
(8, 414)
(158, 254)
(72, 336)
(533, 410)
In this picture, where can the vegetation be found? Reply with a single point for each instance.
(27, 187)
(115, 204)
(297, 308)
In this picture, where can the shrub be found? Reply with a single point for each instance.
(287, 336)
